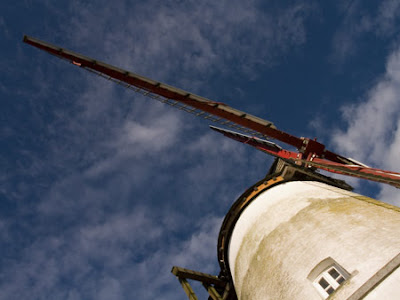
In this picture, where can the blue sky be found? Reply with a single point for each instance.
(102, 191)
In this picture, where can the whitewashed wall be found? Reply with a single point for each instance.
(287, 230)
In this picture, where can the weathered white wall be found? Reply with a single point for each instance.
(287, 230)
(388, 289)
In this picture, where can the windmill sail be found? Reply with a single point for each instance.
(310, 152)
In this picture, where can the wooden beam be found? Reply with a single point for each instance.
(188, 289)
(226, 292)
(194, 275)
(212, 292)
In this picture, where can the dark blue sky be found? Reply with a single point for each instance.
(102, 191)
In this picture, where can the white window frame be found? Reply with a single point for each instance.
(322, 271)
(333, 283)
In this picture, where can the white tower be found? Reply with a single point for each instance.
(286, 239)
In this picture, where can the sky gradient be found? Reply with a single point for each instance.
(102, 190)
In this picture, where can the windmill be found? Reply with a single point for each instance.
(266, 212)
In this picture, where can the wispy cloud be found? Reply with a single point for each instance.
(372, 131)
(162, 40)
(388, 17)
(115, 259)
(359, 22)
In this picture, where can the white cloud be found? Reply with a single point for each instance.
(357, 23)
(107, 261)
(388, 14)
(372, 134)
(166, 41)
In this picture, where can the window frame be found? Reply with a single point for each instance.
(333, 283)
(323, 272)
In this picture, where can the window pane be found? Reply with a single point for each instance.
(340, 280)
(323, 283)
(330, 290)
(335, 274)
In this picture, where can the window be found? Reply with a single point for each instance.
(327, 276)
(329, 281)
